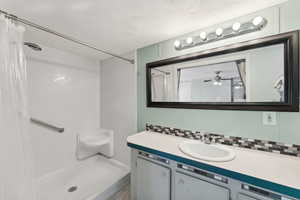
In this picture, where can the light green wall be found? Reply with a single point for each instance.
(236, 123)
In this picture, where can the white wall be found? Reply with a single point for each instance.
(64, 91)
(118, 102)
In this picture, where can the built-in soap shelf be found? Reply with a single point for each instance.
(95, 142)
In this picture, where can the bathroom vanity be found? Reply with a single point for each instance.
(160, 171)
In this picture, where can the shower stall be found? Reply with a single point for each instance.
(49, 114)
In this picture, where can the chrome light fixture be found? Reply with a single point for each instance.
(219, 32)
(177, 44)
(203, 36)
(189, 40)
(236, 26)
(237, 29)
(218, 83)
(258, 21)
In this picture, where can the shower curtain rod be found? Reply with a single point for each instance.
(66, 37)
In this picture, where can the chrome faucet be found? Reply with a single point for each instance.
(207, 140)
(210, 139)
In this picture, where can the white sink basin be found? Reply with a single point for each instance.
(207, 152)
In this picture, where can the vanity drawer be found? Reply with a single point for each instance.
(250, 192)
(242, 196)
(245, 197)
(191, 188)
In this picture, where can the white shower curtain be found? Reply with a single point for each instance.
(16, 165)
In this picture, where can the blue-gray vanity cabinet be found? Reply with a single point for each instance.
(154, 177)
(191, 188)
(153, 181)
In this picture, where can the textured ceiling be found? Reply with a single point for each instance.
(121, 26)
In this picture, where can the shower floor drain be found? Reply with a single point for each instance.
(72, 189)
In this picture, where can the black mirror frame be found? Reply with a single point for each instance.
(291, 74)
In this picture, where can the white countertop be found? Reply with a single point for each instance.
(276, 168)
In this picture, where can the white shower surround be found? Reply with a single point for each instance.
(118, 102)
(64, 90)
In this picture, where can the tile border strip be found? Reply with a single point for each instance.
(255, 144)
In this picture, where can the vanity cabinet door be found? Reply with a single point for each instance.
(190, 188)
(153, 181)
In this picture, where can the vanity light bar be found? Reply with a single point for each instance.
(237, 29)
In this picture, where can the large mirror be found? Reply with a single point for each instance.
(254, 75)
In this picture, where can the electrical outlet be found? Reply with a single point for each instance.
(269, 118)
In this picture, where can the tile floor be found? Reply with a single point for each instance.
(124, 194)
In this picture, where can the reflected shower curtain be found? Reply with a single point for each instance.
(16, 178)
(159, 87)
(241, 65)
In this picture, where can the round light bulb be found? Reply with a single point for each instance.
(177, 44)
(257, 21)
(219, 32)
(203, 36)
(236, 26)
(189, 40)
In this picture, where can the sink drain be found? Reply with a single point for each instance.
(72, 189)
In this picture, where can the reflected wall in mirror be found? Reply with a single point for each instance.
(260, 74)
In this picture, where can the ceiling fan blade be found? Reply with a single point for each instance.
(229, 78)
(225, 79)
(209, 80)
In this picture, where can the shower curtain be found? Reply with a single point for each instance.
(16, 164)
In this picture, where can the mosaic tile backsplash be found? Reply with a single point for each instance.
(261, 145)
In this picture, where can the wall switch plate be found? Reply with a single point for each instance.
(269, 118)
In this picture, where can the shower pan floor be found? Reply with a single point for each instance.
(94, 179)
